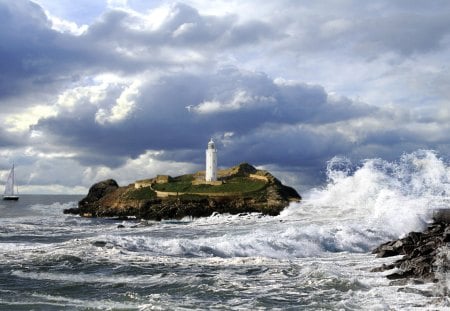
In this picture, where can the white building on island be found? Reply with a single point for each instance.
(211, 162)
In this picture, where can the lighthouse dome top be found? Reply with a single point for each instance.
(211, 144)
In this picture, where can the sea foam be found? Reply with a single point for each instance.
(391, 198)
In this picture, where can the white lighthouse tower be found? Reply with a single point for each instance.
(211, 162)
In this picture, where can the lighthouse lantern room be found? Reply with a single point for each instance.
(211, 162)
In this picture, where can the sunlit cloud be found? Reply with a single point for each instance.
(124, 105)
(127, 89)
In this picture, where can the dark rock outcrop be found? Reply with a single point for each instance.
(422, 252)
(107, 199)
(96, 192)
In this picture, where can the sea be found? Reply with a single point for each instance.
(316, 255)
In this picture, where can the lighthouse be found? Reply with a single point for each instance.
(211, 162)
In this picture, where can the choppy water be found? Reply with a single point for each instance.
(314, 256)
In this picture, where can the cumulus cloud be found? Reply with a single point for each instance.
(241, 100)
(133, 88)
(161, 120)
(123, 106)
(299, 129)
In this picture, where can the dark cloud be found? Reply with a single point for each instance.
(185, 26)
(251, 32)
(369, 30)
(23, 51)
(174, 86)
(269, 114)
(406, 34)
(36, 58)
(12, 140)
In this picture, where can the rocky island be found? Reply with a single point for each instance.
(240, 189)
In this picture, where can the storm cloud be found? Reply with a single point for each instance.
(136, 89)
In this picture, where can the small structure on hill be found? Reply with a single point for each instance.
(211, 162)
(162, 179)
(143, 183)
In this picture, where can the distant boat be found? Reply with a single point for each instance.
(9, 193)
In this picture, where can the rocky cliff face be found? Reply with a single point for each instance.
(107, 199)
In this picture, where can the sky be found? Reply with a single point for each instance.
(127, 89)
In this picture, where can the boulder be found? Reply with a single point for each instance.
(99, 190)
(420, 252)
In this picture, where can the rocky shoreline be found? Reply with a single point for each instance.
(424, 255)
(108, 199)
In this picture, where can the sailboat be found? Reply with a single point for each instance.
(9, 193)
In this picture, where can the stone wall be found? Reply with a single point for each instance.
(165, 194)
(143, 183)
(260, 177)
(204, 182)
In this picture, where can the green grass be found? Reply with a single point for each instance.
(175, 186)
(235, 185)
(188, 177)
(144, 193)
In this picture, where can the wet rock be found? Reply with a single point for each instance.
(393, 248)
(72, 210)
(99, 243)
(420, 252)
(383, 267)
(416, 291)
(400, 275)
(446, 235)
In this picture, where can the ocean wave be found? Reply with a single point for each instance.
(389, 198)
(360, 207)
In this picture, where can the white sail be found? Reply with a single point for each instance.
(9, 193)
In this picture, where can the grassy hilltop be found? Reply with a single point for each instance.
(233, 185)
